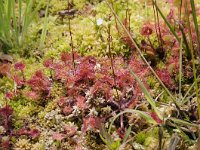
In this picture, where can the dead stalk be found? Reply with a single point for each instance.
(71, 39)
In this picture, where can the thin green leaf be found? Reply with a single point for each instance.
(195, 20)
(182, 122)
(187, 49)
(146, 93)
(144, 115)
(180, 68)
(127, 134)
(44, 30)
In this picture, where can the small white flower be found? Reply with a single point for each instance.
(93, 112)
(99, 21)
(97, 67)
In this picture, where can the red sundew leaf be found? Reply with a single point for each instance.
(67, 57)
(81, 102)
(62, 102)
(124, 78)
(170, 1)
(147, 29)
(5, 145)
(22, 131)
(9, 95)
(33, 133)
(39, 74)
(67, 110)
(85, 70)
(5, 117)
(126, 39)
(91, 123)
(84, 73)
(32, 95)
(19, 81)
(121, 132)
(39, 82)
(171, 15)
(132, 103)
(19, 66)
(48, 63)
(107, 79)
(101, 88)
(70, 130)
(58, 136)
(139, 67)
(5, 69)
(156, 118)
(165, 76)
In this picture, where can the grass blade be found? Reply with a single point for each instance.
(182, 122)
(146, 93)
(187, 49)
(44, 31)
(184, 100)
(144, 115)
(180, 68)
(127, 134)
(195, 22)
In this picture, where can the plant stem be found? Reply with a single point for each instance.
(195, 23)
(158, 21)
(155, 22)
(111, 59)
(180, 69)
(113, 72)
(71, 43)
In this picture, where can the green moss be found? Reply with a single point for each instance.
(50, 106)
(6, 84)
(23, 108)
(141, 137)
(144, 137)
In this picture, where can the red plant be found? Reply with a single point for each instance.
(6, 117)
(9, 95)
(121, 132)
(124, 78)
(39, 83)
(18, 80)
(156, 118)
(147, 29)
(67, 57)
(58, 136)
(5, 70)
(171, 15)
(66, 105)
(33, 133)
(91, 123)
(85, 70)
(48, 63)
(81, 102)
(70, 130)
(19, 66)
(101, 89)
(165, 76)
(32, 95)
